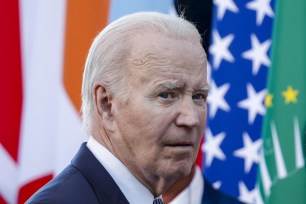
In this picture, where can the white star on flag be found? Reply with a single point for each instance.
(216, 98)
(258, 54)
(224, 5)
(262, 8)
(254, 103)
(217, 184)
(220, 48)
(249, 152)
(211, 147)
(245, 195)
(208, 73)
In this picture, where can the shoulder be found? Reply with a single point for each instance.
(85, 180)
(69, 186)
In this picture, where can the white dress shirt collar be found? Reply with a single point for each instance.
(134, 191)
(194, 191)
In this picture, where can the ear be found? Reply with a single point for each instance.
(103, 105)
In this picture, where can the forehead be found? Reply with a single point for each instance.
(146, 45)
(154, 55)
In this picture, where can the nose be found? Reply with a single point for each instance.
(189, 113)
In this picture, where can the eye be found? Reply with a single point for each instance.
(166, 95)
(199, 97)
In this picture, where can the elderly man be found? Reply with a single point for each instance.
(144, 107)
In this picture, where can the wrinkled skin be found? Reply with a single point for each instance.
(156, 133)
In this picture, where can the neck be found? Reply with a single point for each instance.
(178, 186)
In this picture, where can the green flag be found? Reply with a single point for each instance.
(282, 167)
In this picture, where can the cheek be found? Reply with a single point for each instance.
(137, 126)
(139, 121)
(203, 117)
(145, 118)
(202, 127)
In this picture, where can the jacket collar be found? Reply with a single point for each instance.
(101, 181)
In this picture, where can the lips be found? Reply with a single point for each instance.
(180, 144)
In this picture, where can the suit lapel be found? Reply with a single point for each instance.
(101, 181)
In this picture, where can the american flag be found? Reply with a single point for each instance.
(239, 60)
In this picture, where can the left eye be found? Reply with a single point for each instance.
(165, 95)
(198, 97)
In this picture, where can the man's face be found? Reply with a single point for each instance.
(160, 126)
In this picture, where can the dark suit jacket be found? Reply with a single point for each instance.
(85, 180)
(213, 196)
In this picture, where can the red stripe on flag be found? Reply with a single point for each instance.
(27, 190)
(11, 77)
(199, 160)
(2, 201)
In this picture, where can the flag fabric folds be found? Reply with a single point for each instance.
(282, 167)
(239, 57)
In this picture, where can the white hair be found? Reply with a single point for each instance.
(106, 60)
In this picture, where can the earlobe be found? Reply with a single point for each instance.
(103, 105)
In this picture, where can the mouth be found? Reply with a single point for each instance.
(180, 145)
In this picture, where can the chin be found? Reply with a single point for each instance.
(178, 166)
(182, 169)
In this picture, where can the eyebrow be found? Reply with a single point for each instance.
(205, 88)
(171, 85)
(174, 86)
